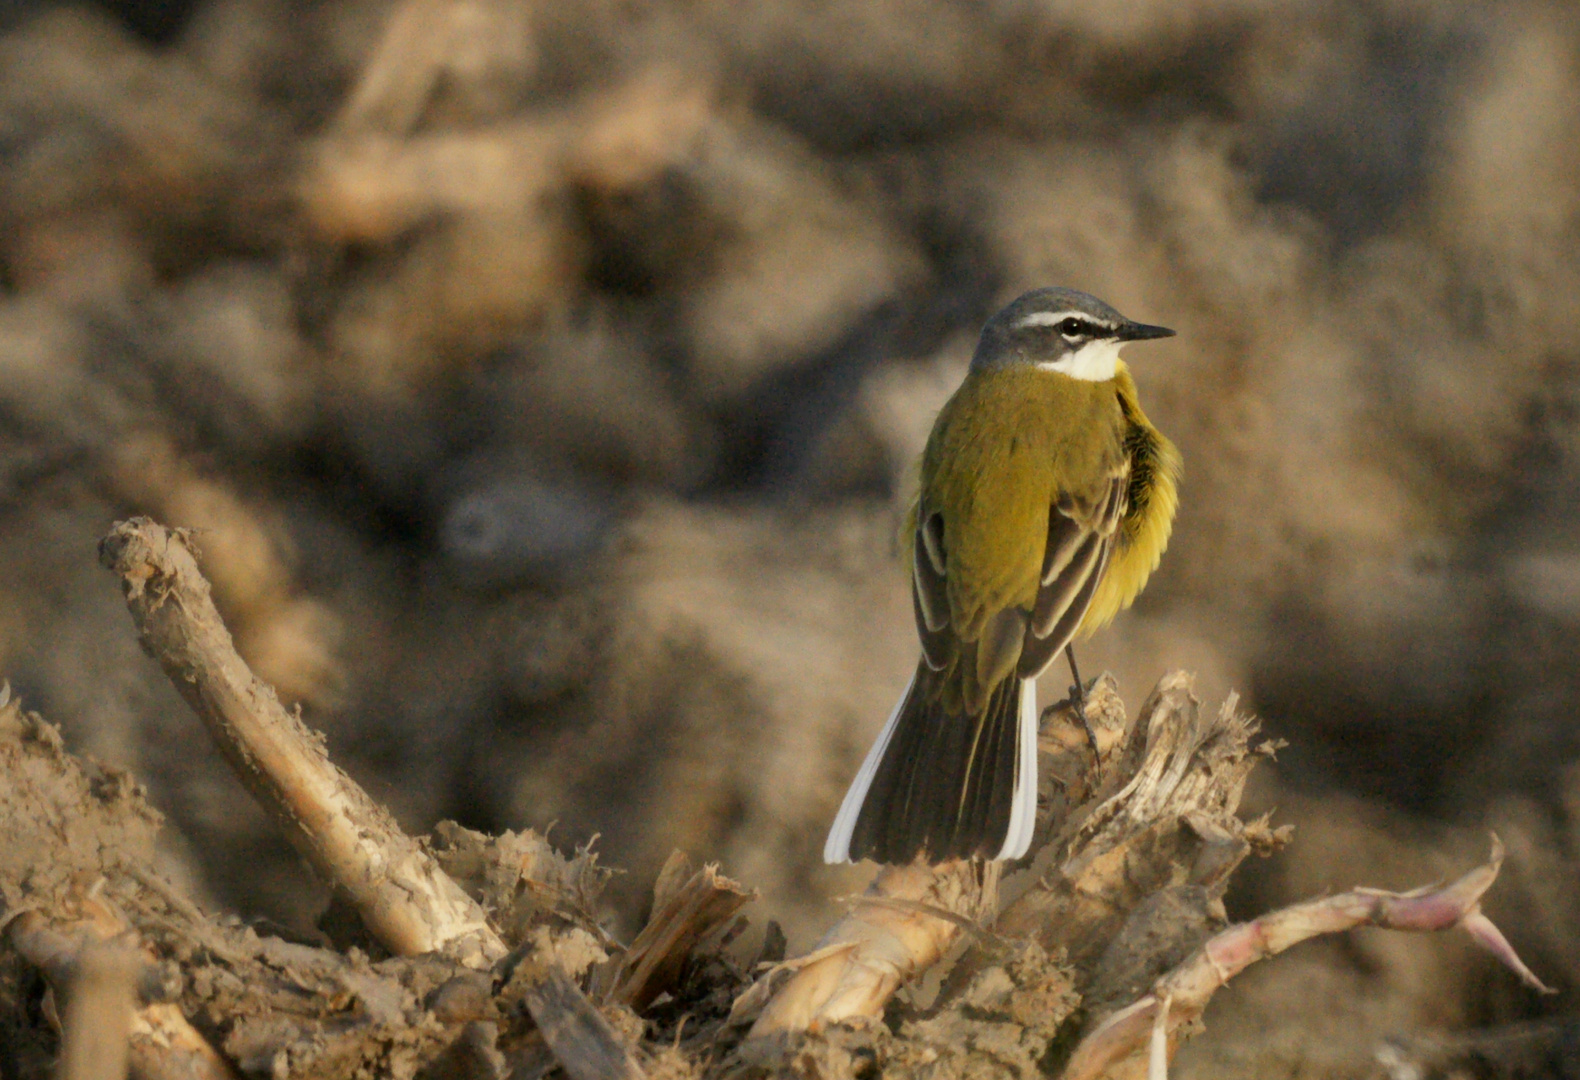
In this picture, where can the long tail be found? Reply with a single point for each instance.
(944, 785)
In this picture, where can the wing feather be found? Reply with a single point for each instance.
(1065, 535)
(1081, 537)
(1082, 533)
(930, 592)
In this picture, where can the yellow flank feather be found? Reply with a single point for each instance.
(1154, 496)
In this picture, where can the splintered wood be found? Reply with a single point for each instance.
(686, 908)
(1164, 814)
(1126, 890)
(1160, 810)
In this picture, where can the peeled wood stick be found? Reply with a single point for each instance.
(1189, 987)
(404, 898)
(904, 924)
(157, 1041)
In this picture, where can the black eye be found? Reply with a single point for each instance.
(1073, 328)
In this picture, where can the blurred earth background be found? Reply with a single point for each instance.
(542, 380)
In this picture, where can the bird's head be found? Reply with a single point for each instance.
(1061, 330)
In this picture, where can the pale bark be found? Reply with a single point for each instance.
(407, 902)
(1181, 995)
(902, 925)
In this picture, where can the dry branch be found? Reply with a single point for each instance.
(404, 898)
(1182, 994)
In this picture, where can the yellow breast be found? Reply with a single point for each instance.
(1155, 465)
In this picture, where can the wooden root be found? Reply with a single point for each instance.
(407, 902)
(1164, 796)
(1181, 995)
(902, 925)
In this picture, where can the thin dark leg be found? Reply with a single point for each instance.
(1078, 696)
(1078, 691)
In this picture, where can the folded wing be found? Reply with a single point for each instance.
(1081, 538)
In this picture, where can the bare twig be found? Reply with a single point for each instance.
(403, 896)
(1188, 988)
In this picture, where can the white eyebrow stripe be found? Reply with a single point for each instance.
(1053, 318)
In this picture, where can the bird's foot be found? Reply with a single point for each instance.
(1078, 699)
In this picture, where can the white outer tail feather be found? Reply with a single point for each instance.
(1023, 808)
(836, 849)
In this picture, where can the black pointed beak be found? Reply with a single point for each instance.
(1134, 331)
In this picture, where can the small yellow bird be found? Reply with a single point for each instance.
(1045, 503)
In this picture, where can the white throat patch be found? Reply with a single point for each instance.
(1096, 361)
